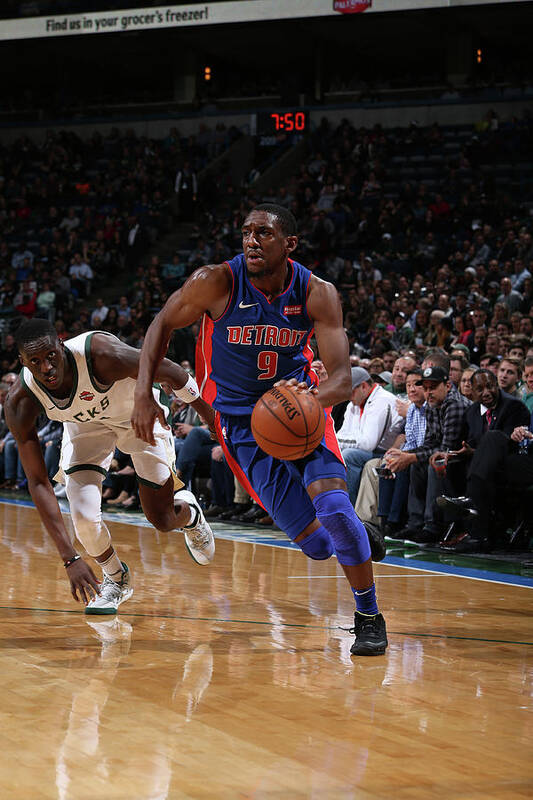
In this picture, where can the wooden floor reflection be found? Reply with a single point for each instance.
(235, 680)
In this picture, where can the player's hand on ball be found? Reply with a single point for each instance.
(145, 413)
(83, 580)
(298, 387)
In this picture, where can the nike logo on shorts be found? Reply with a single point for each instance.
(247, 305)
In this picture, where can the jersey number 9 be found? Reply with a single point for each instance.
(267, 364)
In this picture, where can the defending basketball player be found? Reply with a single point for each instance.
(88, 383)
(259, 312)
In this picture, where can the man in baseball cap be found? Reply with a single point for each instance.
(371, 424)
(444, 422)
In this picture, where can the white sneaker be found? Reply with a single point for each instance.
(111, 595)
(199, 538)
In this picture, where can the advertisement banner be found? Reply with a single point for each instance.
(198, 14)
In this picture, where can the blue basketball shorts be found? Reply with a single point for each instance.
(279, 486)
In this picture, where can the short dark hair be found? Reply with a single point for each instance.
(32, 329)
(286, 219)
(462, 360)
(488, 372)
(528, 362)
(414, 371)
(492, 359)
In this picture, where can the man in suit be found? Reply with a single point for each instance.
(493, 409)
(493, 423)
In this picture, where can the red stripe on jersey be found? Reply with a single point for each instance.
(204, 353)
(233, 464)
(309, 356)
(331, 437)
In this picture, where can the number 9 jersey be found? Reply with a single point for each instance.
(255, 342)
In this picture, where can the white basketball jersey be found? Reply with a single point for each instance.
(89, 401)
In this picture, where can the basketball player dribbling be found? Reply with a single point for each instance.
(87, 383)
(259, 311)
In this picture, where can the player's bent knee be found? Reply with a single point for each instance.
(346, 530)
(317, 545)
(93, 535)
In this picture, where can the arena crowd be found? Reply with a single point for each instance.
(425, 232)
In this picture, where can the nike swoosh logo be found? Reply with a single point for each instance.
(247, 305)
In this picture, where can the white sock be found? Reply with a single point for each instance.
(112, 567)
(194, 517)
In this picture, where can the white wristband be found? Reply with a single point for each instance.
(188, 393)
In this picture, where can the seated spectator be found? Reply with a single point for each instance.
(399, 375)
(99, 314)
(393, 493)
(488, 361)
(527, 396)
(120, 489)
(509, 375)
(444, 423)
(200, 255)
(496, 457)
(458, 364)
(195, 453)
(371, 424)
(110, 323)
(123, 307)
(25, 301)
(46, 302)
(509, 296)
(517, 348)
(80, 275)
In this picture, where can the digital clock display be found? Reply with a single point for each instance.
(272, 122)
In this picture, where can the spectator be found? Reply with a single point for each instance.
(99, 314)
(444, 422)
(46, 300)
(527, 396)
(509, 296)
(509, 373)
(393, 493)
(458, 364)
(371, 423)
(495, 457)
(465, 385)
(80, 275)
(400, 369)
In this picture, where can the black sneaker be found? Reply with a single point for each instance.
(376, 541)
(370, 635)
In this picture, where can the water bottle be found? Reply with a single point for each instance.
(523, 447)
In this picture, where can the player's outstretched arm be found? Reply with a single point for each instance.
(325, 309)
(206, 290)
(114, 360)
(21, 413)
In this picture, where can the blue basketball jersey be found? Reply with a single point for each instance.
(255, 342)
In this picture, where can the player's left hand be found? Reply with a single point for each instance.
(298, 387)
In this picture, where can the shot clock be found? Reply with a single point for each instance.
(271, 122)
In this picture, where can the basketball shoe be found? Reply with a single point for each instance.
(370, 635)
(112, 594)
(199, 538)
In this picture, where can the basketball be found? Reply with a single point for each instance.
(287, 424)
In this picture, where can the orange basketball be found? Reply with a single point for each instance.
(288, 424)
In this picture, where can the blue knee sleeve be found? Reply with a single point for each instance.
(346, 530)
(317, 545)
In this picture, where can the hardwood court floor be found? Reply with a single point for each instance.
(235, 681)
